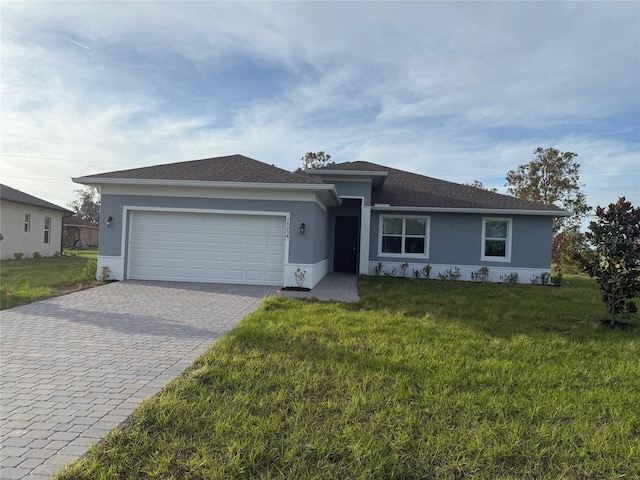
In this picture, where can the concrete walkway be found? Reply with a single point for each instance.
(339, 287)
(74, 367)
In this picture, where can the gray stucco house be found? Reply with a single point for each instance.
(233, 219)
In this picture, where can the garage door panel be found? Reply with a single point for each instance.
(215, 248)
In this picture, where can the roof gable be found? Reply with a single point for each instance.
(406, 189)
(231, 168)
(16, 196)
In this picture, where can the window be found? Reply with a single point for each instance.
(407, 236)
(47, 230)
(27, 222)
(496, 239)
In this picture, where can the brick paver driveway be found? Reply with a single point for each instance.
(74, 367)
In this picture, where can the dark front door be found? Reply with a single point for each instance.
(345, 248)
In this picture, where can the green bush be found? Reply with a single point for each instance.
(37, 255)
(18, 255)
(90, 269)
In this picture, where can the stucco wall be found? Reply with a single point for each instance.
(309, 248)
(17, 240)
(456, 239)
(354, 189)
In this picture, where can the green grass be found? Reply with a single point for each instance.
(422, 379)
(27, 280)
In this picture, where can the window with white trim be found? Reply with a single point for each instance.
(47, 230)
(496, 239)
(404, 236)
(27, 222)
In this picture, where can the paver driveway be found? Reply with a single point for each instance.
(76, 366)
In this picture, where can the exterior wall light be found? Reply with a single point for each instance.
(302, 228)
(109, 221)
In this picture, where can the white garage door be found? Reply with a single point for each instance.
(212, 248)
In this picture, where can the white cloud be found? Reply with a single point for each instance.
(454, 90)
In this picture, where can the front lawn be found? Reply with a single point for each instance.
(30, 279)
(422, 379)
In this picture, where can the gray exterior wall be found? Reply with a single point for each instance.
(456, 239)
(309, 248)
(354, 189)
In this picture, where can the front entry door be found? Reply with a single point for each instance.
(345, 249)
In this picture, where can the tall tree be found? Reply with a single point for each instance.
(616, 259)
(311, 160)
(480, 185)
(551, 178)
(87, 204)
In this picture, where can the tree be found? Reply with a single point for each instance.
(568, 249)
(480, 185)
(312, 160)
(87, 205)
(616, 259)
(551, 178)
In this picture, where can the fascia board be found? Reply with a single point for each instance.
(484, 211)
(325, 190)
(348, 173)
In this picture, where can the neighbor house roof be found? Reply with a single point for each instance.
(231, 168)
(16, 196)
(75, 221)
(407, 189)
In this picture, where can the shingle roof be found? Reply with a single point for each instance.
(412, 190)
(231, 168)
(76, 221)
(12, 195)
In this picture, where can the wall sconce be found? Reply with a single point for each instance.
(302, 228)
(109, 221)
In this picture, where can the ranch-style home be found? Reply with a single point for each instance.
(236, 220)
(29, 224)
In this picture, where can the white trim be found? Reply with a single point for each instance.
(365, 237)
(490, 211)
(314, 273)
(203, 184)
(495, 272)
(234, 194)
(47, 231)
(126, 237)
(424, 255)
(490, 258)
(114, 263)
(347, 173)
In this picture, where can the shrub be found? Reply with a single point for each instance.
(18, 255)
(299, 274)
(557, 280)
(450, 274)
(426, 271)
(616, 260)
(510, 278)
(416, 273)
(104, 274)
(389, 273)
(378, 268)
(404, 267)
(90, 269)
(481, 275)
(37, 255)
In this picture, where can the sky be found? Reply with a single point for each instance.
(460, 91)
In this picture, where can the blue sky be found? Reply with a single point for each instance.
(454, 90)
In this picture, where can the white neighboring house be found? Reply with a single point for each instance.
(29, 224)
